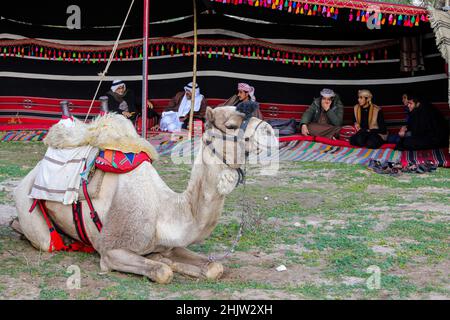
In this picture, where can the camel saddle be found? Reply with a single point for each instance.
(111, 161)
(120, 162)
(106, 161)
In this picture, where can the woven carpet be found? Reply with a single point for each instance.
(26, 135)
(315, 151)
(440, 157)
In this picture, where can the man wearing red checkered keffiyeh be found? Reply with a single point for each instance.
(245, 93)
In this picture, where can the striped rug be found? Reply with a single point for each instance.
(25, 135)
(314, 151)
(440, 157)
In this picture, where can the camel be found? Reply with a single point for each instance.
(147, 227)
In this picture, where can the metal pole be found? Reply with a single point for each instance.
(194, 78)
(145, 68)
(103, 105)
(65, 112)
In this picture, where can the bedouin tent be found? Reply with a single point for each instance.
(287, 50)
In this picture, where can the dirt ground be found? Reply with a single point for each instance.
(326, 223)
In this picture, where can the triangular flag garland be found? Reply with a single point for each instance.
(224, 49)
(360, 11)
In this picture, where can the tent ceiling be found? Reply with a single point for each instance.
(98, 12)
(111, 13)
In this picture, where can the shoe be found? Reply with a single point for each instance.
(431, 166)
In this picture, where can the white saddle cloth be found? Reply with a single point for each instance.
(59, 175)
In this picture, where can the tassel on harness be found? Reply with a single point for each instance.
(56, 242)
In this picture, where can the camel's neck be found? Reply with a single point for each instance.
(202, 194)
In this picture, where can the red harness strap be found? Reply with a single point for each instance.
(94, 215)
(78, 220)
(56, 242)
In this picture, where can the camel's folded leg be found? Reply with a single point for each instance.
(33, 224)
(183, 256)
(127, 261)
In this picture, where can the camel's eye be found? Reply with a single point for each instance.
(231, 126)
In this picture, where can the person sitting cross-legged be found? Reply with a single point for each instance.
(324, 117)
(121, 100)
(369, 123)
(176, 114)
(426, 129)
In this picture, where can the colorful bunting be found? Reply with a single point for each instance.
(358, 10)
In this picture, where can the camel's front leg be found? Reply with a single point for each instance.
(127, 261)
(178, 267)
(184, 257)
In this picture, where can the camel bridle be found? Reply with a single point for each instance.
(242, 138)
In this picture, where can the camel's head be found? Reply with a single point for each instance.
(235, 138)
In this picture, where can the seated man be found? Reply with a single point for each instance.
(426, 129)
(176, 114)
(395, 138)
(121, 100)
(245, 93)
(369, 123)
(324, 117)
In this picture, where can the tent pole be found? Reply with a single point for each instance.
(145, 68)
(194, 77)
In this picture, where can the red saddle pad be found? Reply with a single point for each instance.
(119, 162)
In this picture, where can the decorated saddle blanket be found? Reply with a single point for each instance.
(120, 162)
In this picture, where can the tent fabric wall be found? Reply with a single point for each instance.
(217, 77)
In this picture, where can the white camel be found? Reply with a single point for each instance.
(146, 225)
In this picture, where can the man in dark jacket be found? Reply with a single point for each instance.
(245, 93)
(427, 128)
(121, 100)
(324, 117)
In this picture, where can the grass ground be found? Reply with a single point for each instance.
(327, 223)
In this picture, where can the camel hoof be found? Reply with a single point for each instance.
(163, 275)
(214, 271)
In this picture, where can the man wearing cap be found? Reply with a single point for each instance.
(325, 116)
(245, 93)
(121, 100)
(181, 105)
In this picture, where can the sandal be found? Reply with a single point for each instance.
(431, 166)
(373, 164)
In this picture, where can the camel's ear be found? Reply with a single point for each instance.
(209, 115)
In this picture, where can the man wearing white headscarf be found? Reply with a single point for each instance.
(121, 99)
(245, 93)
(176, 114)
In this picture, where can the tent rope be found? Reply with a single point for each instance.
(111, 56)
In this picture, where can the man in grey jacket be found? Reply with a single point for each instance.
(325, 116)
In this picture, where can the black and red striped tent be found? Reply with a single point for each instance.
(288, 50)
